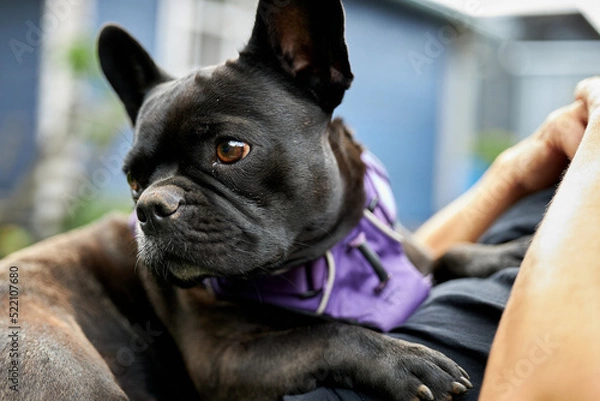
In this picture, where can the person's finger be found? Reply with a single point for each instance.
(588, 91)
(579, 111)
(565, 128)
(568, 128)
(571, 137)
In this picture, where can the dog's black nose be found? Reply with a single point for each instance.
(156, 206)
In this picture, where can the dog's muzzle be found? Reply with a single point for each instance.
(157, 208)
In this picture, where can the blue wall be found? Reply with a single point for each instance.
(137, 16)
(393, 110)
(19, 79)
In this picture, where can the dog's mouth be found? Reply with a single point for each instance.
(185, 273)
(184, 260)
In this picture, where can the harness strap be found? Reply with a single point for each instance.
(329, 284)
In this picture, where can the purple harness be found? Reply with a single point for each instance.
(366, 278)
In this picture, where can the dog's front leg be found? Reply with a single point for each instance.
(480, 260)
(245, 353)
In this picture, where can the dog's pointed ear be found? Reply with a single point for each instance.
(305, 39)
(128, 67)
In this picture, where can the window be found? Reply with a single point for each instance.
(194, 33)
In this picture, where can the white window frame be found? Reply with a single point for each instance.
(179, 21)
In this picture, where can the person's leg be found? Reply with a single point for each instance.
(460, 317)
(521, 220)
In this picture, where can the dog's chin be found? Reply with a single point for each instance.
(174, 271)
(191, 270)
(185, 276)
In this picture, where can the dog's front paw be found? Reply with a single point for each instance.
(421, 374)
(393, 369)
(425, 374)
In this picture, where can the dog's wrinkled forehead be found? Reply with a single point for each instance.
(184, 104)
(225, 95)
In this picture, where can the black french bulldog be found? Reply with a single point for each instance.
(238, 170)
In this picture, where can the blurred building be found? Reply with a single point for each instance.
(518, 61)
(19, 86)
(440, 88)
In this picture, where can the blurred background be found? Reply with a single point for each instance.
(441, 87)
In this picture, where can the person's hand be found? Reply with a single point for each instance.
(535, 163)
(538, 161)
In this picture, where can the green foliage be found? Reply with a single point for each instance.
(100, 123)
(81, 58)
(97, 119)
(489, 144)
(13, 238)
(87, 212)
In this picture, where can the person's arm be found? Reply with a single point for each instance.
(535, 163)
(469, 216)
(548, 342)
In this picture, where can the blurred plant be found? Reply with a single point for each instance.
(66, 194)
(13, 238)
(81, 59)
(96, 122)
(100, 120)
(94, 210)
(489, 144)
(486, 147)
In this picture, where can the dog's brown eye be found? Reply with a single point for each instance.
(133, 184)
(232, 151)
